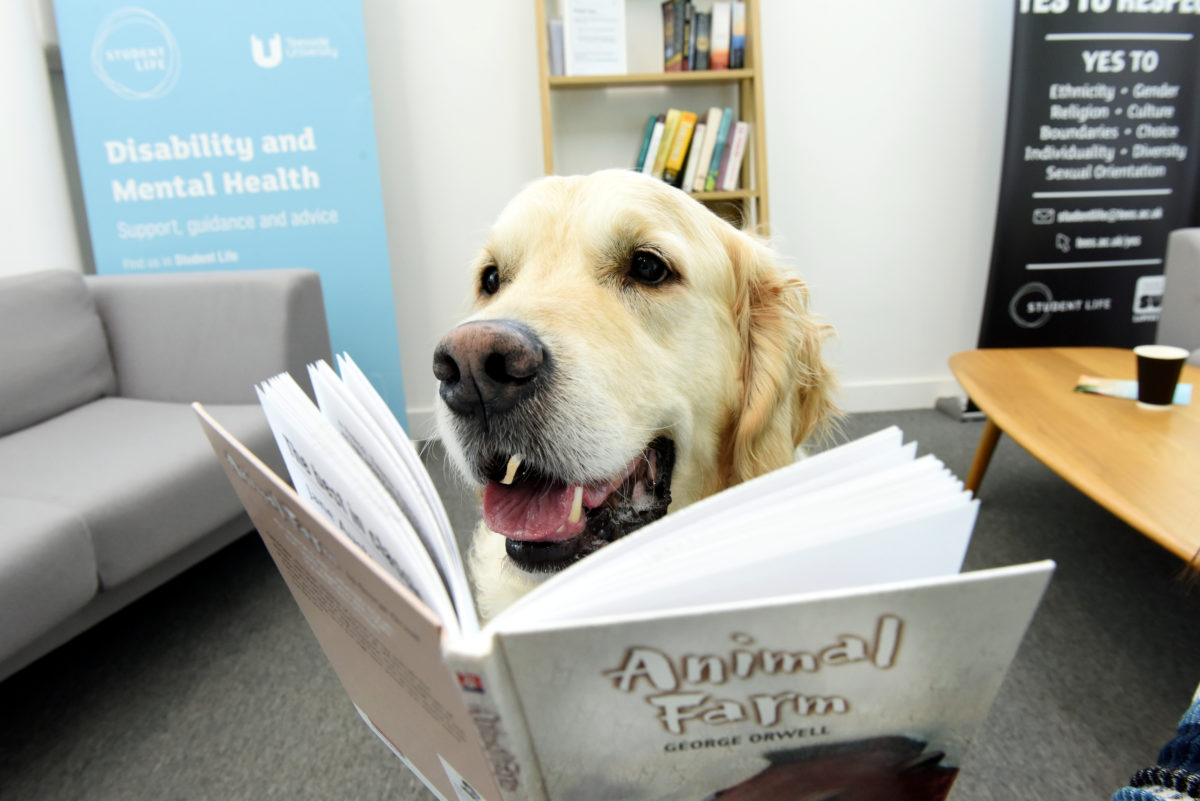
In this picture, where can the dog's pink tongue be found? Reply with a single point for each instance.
(535, 514)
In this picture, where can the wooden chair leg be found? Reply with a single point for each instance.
(983, 455)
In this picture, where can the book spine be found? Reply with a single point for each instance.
(647, 137)
(555, 35)
(487, 692)
(672, 57)
(703, 26)
(652, 149)
(668, 138)
(714, 168)
(711, 126)
(689, 36)
(737, 150)
(737, 36)
(693, 159)
(718, 43)
(679, 147)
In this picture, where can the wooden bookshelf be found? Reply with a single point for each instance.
(748, 206)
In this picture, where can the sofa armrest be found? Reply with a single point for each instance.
(211, 336)
(1180, 321)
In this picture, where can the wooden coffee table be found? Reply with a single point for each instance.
(1142, 465)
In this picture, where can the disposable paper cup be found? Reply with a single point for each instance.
(1158, 368)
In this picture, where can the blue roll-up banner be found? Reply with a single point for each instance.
(236, 135)
(1100, 166)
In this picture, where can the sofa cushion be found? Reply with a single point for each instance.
(52, 346)
(140, 474)
(47, 570)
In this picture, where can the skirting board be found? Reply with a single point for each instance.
(855, 396)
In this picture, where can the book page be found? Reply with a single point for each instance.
(360, 430)
(835, 496)
(872, 692)
(335, 480)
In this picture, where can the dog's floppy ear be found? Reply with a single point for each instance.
(787, 389)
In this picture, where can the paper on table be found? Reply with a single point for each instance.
(1116, 388)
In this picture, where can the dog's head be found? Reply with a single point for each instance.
(627, 350)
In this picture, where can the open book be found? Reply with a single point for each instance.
(807, 629)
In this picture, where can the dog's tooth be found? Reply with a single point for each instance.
(577, 506)
(513, 464)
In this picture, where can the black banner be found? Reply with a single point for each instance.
(1100, 165)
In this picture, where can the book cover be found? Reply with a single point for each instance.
(719, 151)
(668, 139)
(652, 148)
(737, 150)
(594, 37)
(679, 147)
(737, 36)
(713, 653)
(693, 159)
(703, 25)
(711, 128)
(720, 31)
(647, 138)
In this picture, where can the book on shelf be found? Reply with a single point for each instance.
(808, 628)
(720, 30)
(702, 25)
(647, 138)
(650, 150)
(680, 145)
(668, 138)
(693, 158)
(732, 165)
(711, 128)
(673, 35)
(593, 37)
(554, 40)
(737, 35)
(719, 151)
(689, 36)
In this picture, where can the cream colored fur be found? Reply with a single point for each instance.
(725, 360)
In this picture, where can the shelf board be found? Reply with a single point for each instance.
(736, 194)
(649, 79)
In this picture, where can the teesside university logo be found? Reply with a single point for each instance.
(270, 56)
(135, 55)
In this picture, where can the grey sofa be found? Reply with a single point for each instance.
(1180, 322)
(108, 486)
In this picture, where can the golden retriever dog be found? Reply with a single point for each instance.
(628, 353)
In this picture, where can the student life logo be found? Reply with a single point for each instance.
(137, 57)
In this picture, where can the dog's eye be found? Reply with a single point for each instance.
(647, 268)
(489, 280)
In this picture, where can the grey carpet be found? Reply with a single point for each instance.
(212, 687)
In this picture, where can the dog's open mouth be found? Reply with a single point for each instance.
(550, 523)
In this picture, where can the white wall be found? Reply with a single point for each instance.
(37, 230)
(885, 127)
(885, 131)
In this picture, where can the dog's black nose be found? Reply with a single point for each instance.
(487, 367)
